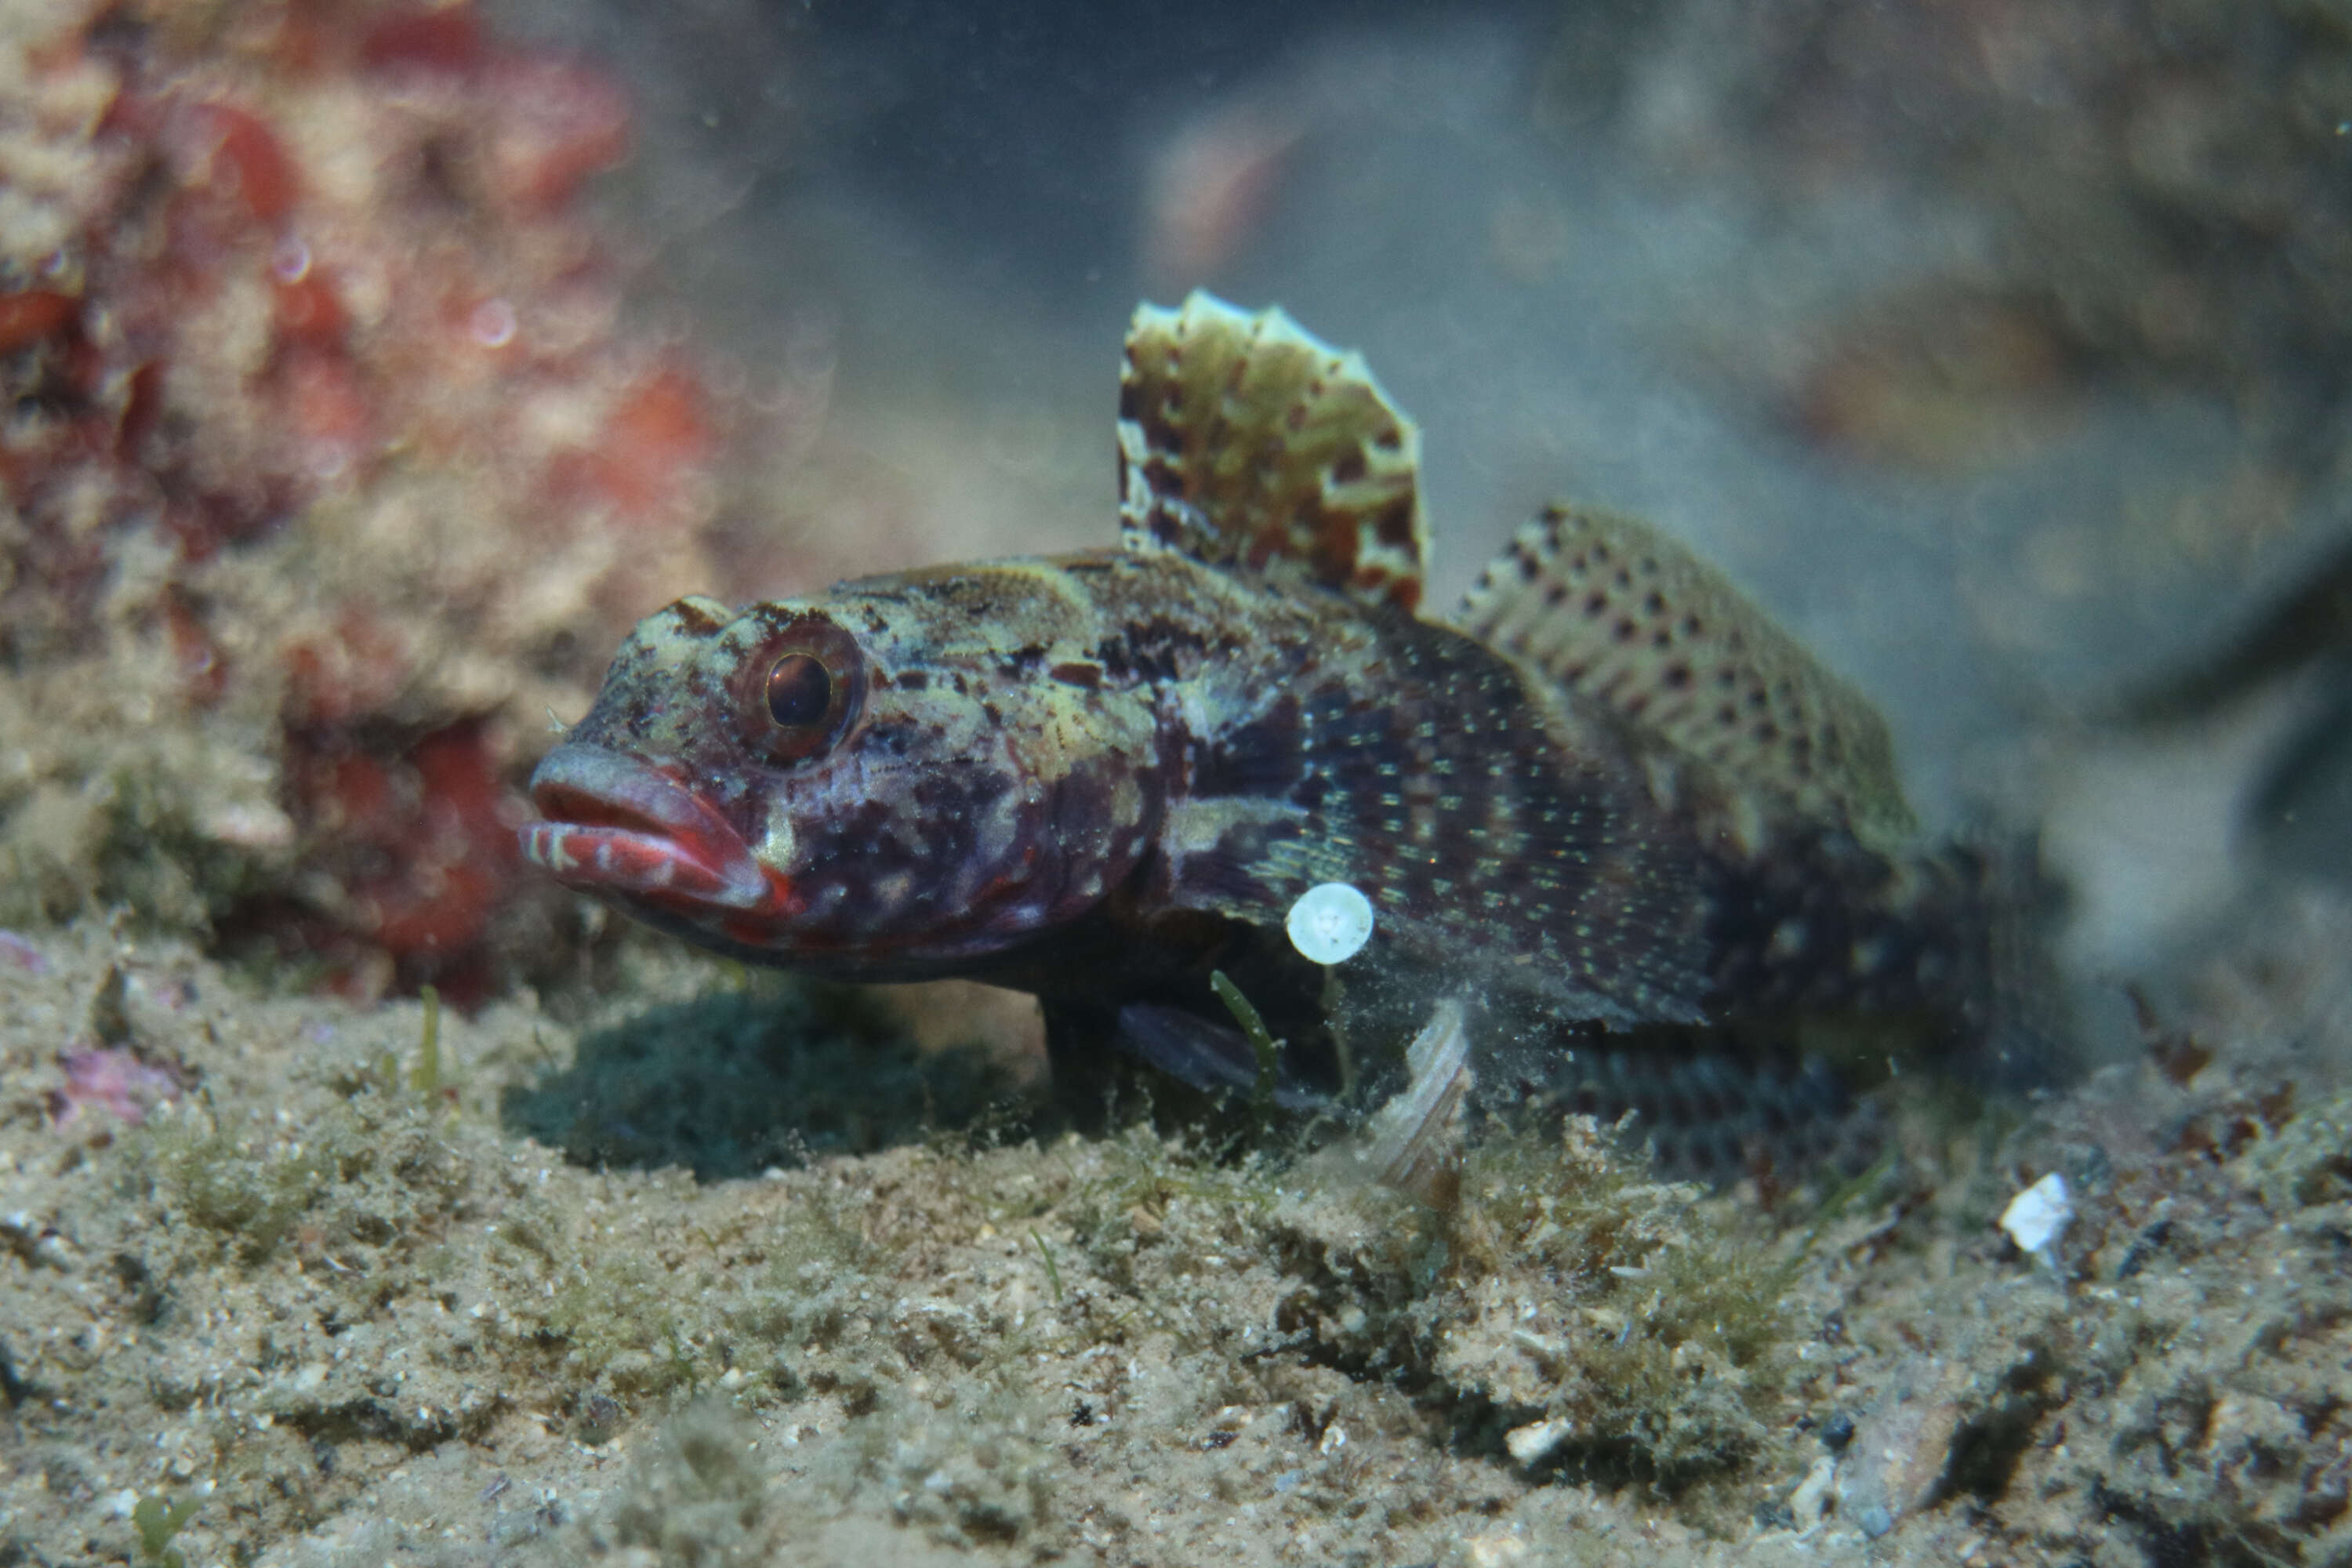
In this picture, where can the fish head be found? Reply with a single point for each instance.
(886, 781)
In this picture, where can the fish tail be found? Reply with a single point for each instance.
(1959, 938)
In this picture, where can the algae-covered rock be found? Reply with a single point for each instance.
(1566, 1293)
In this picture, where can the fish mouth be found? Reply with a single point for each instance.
(618, 826)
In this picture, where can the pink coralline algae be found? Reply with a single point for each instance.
(111, 1079)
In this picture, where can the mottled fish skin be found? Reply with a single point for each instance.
(981, 791)
(1115, 738)
(1096, 777)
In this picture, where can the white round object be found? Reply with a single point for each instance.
(1330, 923)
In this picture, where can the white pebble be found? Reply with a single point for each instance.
(1811, 1501)
(2038, 1216)
(1535, 1441)
(1331, 923)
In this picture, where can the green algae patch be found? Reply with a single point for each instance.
(977, 1470)
(375, 1172)
(1659, 1335)
(251, 1195)
(1569, 1312)
(695, 1494)
(2306, 1163)
(643, 1292)
(156, 1520)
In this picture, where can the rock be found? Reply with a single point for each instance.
(1900, 1452)
(1532, 1443)
(2036, 1218)
(1811, 1501)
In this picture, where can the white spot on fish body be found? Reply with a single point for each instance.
(890, 891)
(1788, 940)
(777, 843)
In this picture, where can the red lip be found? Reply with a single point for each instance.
(618, 826)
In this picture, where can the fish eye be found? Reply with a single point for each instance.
(798, 687)
(799, 691)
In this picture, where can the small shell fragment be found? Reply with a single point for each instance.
(1331, 922)
(1811, 1501)
(1534, 1442)
(2038, 1216)
(1412, 1140)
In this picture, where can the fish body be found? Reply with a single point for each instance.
(1607, 798)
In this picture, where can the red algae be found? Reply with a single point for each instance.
(29, 317)
(657, 438)
(224, 156)
(329, 448)
(424, 844)
(556, 124)
(448, 38)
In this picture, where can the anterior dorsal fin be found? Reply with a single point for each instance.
(1247, 442)
(1625, 616)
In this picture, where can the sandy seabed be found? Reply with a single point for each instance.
(306, 1294)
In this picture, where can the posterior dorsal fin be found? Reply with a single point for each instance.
(1623, 615)
(1246, 442)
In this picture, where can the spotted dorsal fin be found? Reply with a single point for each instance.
(1626, 617)
(1245, 442)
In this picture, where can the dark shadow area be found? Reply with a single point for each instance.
(731, 1084)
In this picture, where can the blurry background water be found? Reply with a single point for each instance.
(1998, 348)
